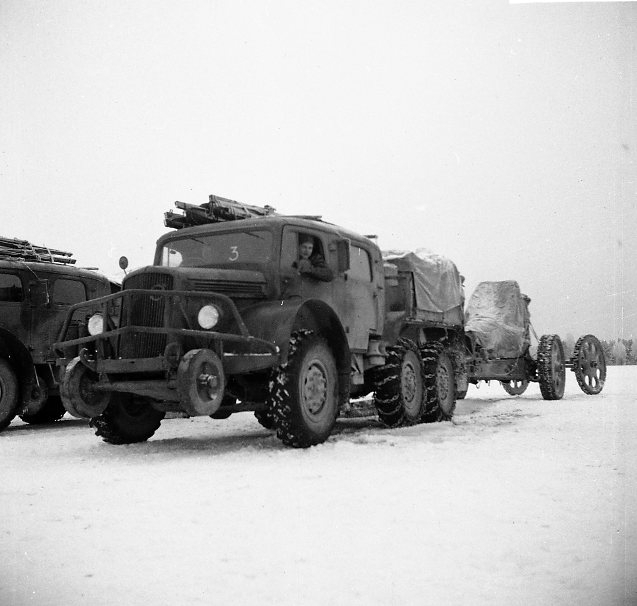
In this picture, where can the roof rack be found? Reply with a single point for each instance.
(216, 210)
(22, 250)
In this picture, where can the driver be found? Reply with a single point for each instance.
(311, 264)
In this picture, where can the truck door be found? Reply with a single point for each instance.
(356, 297)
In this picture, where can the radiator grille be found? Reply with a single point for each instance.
(230, 288)
(145, 310)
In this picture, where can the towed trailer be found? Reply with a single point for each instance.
(498, 347)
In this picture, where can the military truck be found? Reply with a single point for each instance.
(498, 347)
(225, 321)
(37, 287)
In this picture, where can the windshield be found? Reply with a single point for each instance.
(218, 249)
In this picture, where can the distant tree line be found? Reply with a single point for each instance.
(618, 352)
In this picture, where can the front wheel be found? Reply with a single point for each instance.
(127, 419)
(304, 392)
(52, 410)
(551, 369)
(9, 401)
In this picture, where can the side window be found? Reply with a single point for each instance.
(360, 266)
(68, 292)
(10, 288)
(291, 243)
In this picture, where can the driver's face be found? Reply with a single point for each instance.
(305, 250)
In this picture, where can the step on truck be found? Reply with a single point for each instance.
(37, 287)
(230, 318)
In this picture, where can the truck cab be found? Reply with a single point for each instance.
(37, 288)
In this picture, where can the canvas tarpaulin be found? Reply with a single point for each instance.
(437, 282)
(498, 315)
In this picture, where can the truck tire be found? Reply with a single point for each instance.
(551, 369)
(9, 401)
(439, 382)
(400, 394)
(304, 392)
(52, 411)
(127, 419)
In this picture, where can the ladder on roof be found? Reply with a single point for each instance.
(12, 249)
(216, 210)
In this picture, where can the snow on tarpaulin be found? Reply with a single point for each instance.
(498, 315)
(437, 281)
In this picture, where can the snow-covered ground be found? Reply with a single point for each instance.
(518, 501)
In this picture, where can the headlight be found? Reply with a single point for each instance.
(208, 316)
(96, 325)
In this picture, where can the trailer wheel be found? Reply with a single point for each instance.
(400, 395)
(127, 419)
(9, 401)
(439, 382)
(515, 388)
(52, 410)
(589, 364)
(551, 369)
(304, 392)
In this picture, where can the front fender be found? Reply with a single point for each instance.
(275, 321)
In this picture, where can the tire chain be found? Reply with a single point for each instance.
(544, 367)
(280, 411)
(430, 353)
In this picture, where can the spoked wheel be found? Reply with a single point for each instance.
(551, 369)
(127, 419)
(515, 388)
(9, 400)
(304, 392)
(399, 396)
(589, 364)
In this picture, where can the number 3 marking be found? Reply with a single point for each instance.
(235, 253)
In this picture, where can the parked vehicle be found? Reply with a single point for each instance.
(37, 287)
(227, 319)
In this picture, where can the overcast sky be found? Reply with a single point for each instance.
(500, 135)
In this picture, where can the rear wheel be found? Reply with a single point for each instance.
(589, 364)
(439, 382)
(515, 388)
(127, 419)
(399, 397)
(304, 392)
(9, 401)
(551, 369)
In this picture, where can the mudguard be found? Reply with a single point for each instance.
(275, 321)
